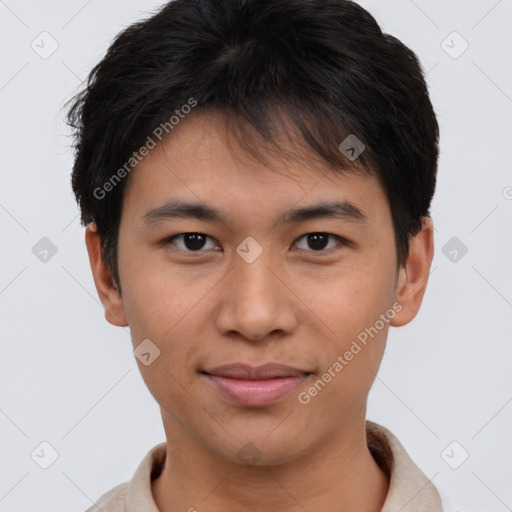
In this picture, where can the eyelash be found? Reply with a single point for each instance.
(341, 240)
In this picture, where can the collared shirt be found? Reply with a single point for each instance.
(409, 489)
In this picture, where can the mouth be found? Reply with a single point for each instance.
(256, 386)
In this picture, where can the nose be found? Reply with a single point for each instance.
(256, 302)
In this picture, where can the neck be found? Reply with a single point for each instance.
(340, 474)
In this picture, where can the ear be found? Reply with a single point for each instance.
(413, 277)
(103, 279)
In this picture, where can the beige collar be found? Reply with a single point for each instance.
(409, 491)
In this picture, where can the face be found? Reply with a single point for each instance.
(267, 314)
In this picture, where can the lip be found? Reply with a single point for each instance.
(256, 386)
(262, 372)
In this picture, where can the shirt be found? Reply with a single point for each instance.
(409, 489)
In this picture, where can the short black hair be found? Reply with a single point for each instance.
(326, 64)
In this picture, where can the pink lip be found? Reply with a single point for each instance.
(256, 387)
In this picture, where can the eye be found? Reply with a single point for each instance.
(317, 242)
(191, 242)
(311, 242)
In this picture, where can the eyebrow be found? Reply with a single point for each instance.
(343, 210)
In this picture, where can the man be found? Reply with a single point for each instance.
(255, 178)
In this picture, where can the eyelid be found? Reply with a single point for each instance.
(170, 240)
(342, 241)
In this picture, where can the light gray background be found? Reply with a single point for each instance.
(69, 378)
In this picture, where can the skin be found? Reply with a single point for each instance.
(292, 305)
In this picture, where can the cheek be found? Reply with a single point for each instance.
(170, 321)
(155, 296)
(171, 310)
(354, 352)
(157, 313)
(346, 300)
(350, 303)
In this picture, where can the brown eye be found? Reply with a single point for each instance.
(318, 241)
(191, 242)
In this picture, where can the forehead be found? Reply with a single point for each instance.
(204, 159)
(211, 138)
